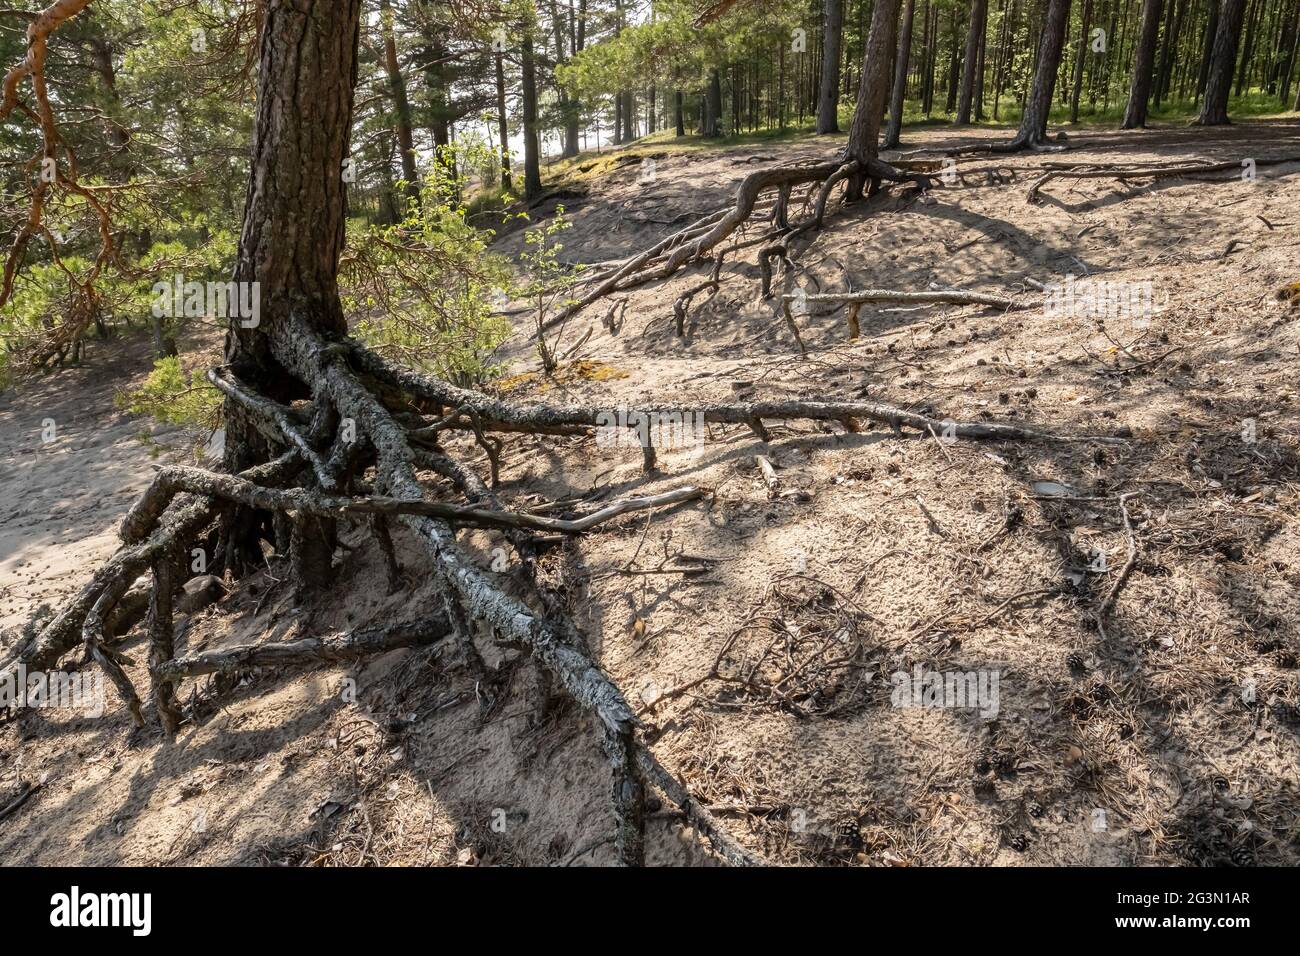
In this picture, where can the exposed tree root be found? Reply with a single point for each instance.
(1177, 171)
(697, 241)
(337, 648)
(683, 303)
(539, 418)
(173, 480)
(855, 301)
(185, 520)
(316, 478)
(1020, 144)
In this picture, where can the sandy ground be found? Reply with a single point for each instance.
(1169, 736)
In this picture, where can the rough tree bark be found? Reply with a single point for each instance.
(1144, 61)
(1218, 82)
(1033, 124)
(713, 105)
(293, 229)
(974, 36)
(828, 98)
(864, 133)
(532, 146)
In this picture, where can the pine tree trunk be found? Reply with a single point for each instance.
(402, 108)
(294, 217)
(1169, 55)
(899, 91)
(864, 133)
(954, 64)
(1079, 61)
(566, 102)
(1033, 124)
(1218, 83)
(1144, 58)
(1252, 16)
(974, 36)
(532, 147)
(713, 106)
(503, 130)
(1289, 64)
(929, 45)
(829, 98)
(1207, 51)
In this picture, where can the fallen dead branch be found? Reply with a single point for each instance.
(17, 802)
(337, 648)
(1126, 570)
(855, 301)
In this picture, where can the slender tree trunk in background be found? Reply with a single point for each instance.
(1252, 10)
(293, 231)
(1079, 61)
(864, 133)
(737, 97)
(1038, 105)
(1135, 115)
(164, 343)
(402, 109)
(974, 36)
(1106, 63)
(502, 126)
(828, 100)
(438, 92)
(1218, 83)
(629, 116)
(1169, 55)
(622, 101)
(101, 52)
(979, 70)
(780, 89)
(1207, 51)
(900, 79)
(1289, 63)
(532, 146)
(566, 101)
(954, 64)
(1162, 50)
(680, 115)
(930, 46)
(1004, 51)
(713, 106)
